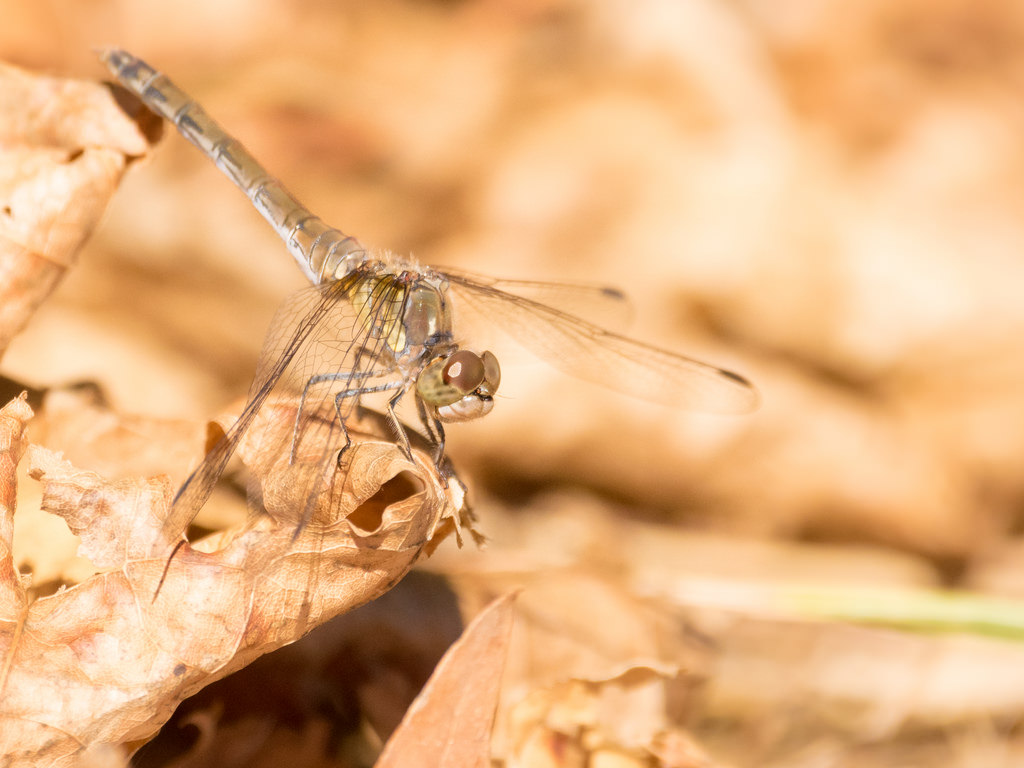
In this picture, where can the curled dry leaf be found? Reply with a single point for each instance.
(620, 720)
(79, 420)
(63, 147)
(12, 594)
(594, 676)
(107, 660)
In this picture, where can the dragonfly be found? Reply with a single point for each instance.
(378, 323)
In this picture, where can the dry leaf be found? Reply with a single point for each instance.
(77, 421)
(106, 661)
(63, 148)
(91, 434)
(621, 720)
(12, 594)
(594, 674)
(825, 195)
(342, 690)
(451, 720)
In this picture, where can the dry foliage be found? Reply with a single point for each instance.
(450, 723)
(65, 146)
(106, 661)
(826, 198)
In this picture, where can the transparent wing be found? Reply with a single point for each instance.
(316, 332)
(585, 350)
(601, 305)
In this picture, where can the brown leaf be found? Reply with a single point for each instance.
(618, 720)
(91, 436)
(13, 598)
(63, 148)
(451, 720)
(78, 421)
(107, 660)
(594, 674)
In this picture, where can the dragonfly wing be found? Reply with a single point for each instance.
(316, 332)
(585, 350)
(601, 305)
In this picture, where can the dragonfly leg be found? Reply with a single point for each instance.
(345, 394)
(435, 432)
(344, 430)
(397, 425)
(348, 376)
(439, 450)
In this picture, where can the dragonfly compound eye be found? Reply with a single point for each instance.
(492, 374)
(460, 386)
(464, 370)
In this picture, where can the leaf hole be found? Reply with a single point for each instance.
(370, 514)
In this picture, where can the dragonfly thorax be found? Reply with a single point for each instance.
(406, 311)
(427, 317)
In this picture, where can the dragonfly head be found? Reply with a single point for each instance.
(460, 386)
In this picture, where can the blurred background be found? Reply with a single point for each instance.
(825, 197)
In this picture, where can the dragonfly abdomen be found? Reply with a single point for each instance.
(323, 252)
